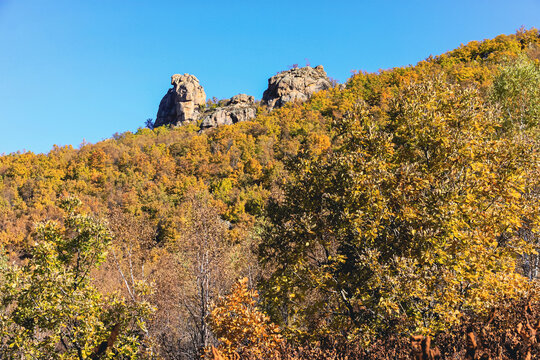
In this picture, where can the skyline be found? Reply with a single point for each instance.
(75, 70)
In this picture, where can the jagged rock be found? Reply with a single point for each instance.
(181, 103)
(239, 108)
(295, 85)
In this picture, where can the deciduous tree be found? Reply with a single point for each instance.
(411, 221)
(50, 310)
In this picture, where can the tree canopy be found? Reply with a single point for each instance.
(50, 310)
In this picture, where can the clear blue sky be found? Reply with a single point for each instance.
(85, 69)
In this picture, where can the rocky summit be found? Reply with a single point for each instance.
(185, 102)
(297, 84)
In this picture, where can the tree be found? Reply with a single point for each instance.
(50, 309)
(199, 261)
(204, 247)
(410, 221)
(241, 327)
(516, 89)
(149, 123)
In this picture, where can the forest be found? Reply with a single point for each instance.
(394, 216)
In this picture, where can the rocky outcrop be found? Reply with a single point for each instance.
(185, 102)
(238, 108)
(182, 102)
(297, 84)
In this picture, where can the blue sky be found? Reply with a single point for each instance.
(85, 69)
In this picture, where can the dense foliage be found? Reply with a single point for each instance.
(50, 310)
(403, 202)
(414, 216)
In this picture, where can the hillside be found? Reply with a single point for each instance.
(404, 202)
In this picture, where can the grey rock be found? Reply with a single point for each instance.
(182, 102)
(167, 109)
(297, 84)
(241, 99)
(239, 108)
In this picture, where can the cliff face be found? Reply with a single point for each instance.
(184, 103)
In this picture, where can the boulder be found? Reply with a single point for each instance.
(297, 84)
(242, 99)
(239, 108)
(182, 102)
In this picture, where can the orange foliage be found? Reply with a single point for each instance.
(243, 329)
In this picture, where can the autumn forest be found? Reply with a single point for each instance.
(394, 216)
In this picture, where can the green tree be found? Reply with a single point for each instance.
(516, 89)
(50, 309)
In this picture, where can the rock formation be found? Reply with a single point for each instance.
(181, 103)
(238, 108)
(185, 102)
(297, 84)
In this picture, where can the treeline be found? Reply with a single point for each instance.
(402, 204)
